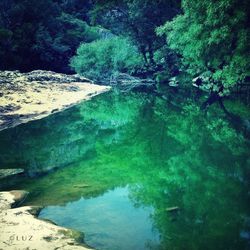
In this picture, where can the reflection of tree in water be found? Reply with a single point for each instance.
(206, 191)
(66, 137)
(189, 161)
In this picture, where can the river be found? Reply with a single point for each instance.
(133, 172)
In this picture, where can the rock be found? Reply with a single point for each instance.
(172, 209)
(196, 82)
(35, 210)
(81, 186)
(173, 82)
(10, 172)
(37, 94)
(126, 82)
(204, 81)
(20, 229)
(42, 75)
(18, 197)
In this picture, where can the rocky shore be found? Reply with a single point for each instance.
(37, 94)
(21, 229)
(25, 97)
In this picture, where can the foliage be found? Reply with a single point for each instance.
(102, 58)
(168, 62)
(55, 49)
(163, 76)
(212, 36)
(238, 108)
(137, 19)
(42, 34)
(45, 34)
(222, 132)
(77, 8)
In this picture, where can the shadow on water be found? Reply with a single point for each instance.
(157, 157)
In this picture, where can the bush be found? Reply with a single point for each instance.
(102, 58)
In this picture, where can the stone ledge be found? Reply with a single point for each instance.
(30, 96)
(20, 229)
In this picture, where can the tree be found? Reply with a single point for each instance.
(19, 21)
(56, 48)
(136, 19)
(42, 34)
(77, 8)
(105, 57)
(213, 39)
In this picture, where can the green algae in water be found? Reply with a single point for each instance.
(162, 156)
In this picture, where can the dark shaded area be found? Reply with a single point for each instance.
(42, 34)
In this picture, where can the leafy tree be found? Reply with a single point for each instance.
(19, 21)
(56, 48)
(102, 58)
(77, 8)
(137, 19)
(42, 34)
(213, 39)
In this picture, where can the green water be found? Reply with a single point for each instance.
(112, 166)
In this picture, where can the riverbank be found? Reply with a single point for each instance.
(30, 96)
(20, 228)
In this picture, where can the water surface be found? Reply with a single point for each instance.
(123, 159)
(109, 221)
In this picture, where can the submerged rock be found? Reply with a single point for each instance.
(172, 209)
(245, 235)
(20, 229)
(10, 172)
(37, 94)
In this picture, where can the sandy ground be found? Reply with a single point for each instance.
(34, 95)
(21, 230)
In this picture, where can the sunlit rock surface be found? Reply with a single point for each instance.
(37, 94)
(20, 229)
(10, 172)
